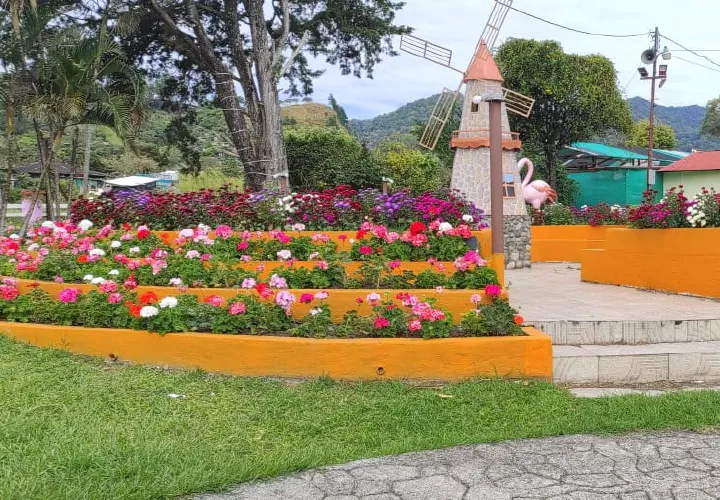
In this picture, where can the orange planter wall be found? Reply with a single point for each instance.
(350, 267)
(457, 302)
(564, 243)
(671, 260)
(439, 359)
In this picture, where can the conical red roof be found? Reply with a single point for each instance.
(483, 69)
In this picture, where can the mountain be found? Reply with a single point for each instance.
(686, 120)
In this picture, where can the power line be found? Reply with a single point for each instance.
(632, 78)
(610, 35)
(697, 64)
(691, 51)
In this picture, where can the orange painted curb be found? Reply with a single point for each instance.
(351, 267)
(670, 260)
(353, 359)
(565, 243)
(457, 302)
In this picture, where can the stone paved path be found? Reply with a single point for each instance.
(658, 466)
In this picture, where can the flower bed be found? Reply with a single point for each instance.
(337, 208)
(675, 210)
(671, 260)
(421, 257)
(524, 356)
(602, 214)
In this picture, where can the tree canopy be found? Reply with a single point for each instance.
(663, 136)
(711, 124)
(576, 97)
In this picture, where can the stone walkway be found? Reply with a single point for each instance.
(552, 292)
(658, 466)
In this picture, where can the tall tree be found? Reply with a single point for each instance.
(663, 136)
(711, 124)
(576, 97)
(246, 47)
(339, 111)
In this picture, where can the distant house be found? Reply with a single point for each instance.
(131, 184)
(694, 172)
(65, 171)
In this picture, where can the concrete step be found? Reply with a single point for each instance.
(629, 332)
(636, 364)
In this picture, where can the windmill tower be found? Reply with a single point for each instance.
(471, 167)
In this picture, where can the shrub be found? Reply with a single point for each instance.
(671, 212)
(496, 318)
(557, 214)
(410, 169)
(321, 158)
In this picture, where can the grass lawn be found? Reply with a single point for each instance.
(73, 427)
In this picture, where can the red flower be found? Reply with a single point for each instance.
(126, 226)
(148, 298)
(82, 259)
(381, 322)
(143, 233)
(417, 228)
(365, 250)
(263, 290)
(359, 300)
(360, 234)
(518, 320)
(135, 310)
(306, 298)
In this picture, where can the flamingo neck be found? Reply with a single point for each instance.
(530, 171)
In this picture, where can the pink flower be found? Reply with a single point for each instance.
(192, 254)
(205, 257)
(114, 298)
(59, 279)
(415, 325)
(130, 283)
(493, 291)
(277, 281)
(342, 237)
(373, 298)
(242, 245)
(313, 256)
(223, 231)
(249, 283)
(475, 298)
(68, 295)
(285, 300)
(365, 250)
(394, 264)
(322, 264)
(315, 311)
(157, 253)
(306, 298)
(381, 322)
(108, 286)
(321, 295)
(237, 308)
(438, 289)
(284, 254)
(214, 300)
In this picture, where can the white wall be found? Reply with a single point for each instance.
(692, 182)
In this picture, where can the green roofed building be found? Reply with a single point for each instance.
(609, 174)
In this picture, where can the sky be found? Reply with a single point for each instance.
(457, 25)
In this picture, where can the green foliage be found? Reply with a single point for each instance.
(410, 169)
(711, 123)
(576, 97)
(321, 158)
(212, 178)
(495, 318)
(442, 150)
(664, 136)
(339, 111)
(557, 214)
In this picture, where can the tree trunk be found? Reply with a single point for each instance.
(10, 161)
(272, 147)
(56, 188)
(86, 158)
(46, 155)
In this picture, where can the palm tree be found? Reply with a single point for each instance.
(80, 80)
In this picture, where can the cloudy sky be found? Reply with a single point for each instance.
(457, 24)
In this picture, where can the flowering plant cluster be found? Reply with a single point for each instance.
(337, 208)
(73, 253)
(672, 211)
(601, 214)
(497, 317)
(257, 311)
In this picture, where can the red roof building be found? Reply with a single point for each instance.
(700, 161)
(694, 172)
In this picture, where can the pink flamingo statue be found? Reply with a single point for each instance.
(536, 193)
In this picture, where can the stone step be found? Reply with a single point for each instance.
(629, 332)
(636, 364)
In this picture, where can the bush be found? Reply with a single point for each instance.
(410, 169)
(557, 214)
(320, 158)
(671, 212)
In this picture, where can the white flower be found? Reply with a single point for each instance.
(444, 227)
(85, 224)
(97, 281)
(168, 302)
(99, 252)
(113, 272)
(14, 237)
(284, 254)
(467, 218)
(175, 282)
(703, 223)
(134, 250)
(115, 244)
(149, 311)
(48, 224)
(388, 180)
(187, 233)
(203, 227)
(88, 277)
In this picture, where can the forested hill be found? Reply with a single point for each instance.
(685, 120)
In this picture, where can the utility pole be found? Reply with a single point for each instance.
(651, 120)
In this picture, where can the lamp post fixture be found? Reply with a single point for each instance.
(658, 73)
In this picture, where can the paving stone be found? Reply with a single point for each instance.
(430, 488)
(640, 466)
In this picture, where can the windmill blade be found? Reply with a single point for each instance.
(439, 118)
(518, 103)
(492, 27)
(427, 50)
